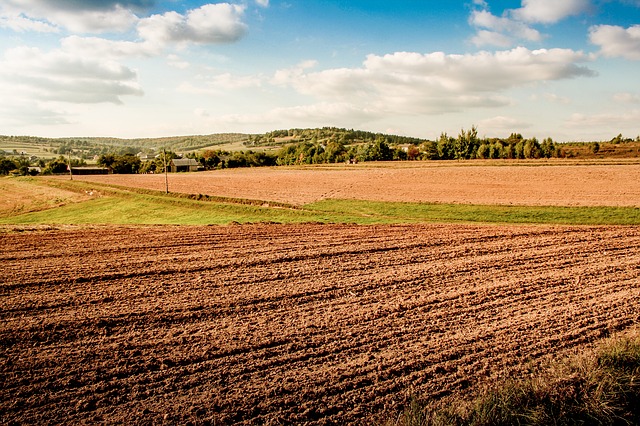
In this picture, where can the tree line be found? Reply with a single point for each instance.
(320, 146)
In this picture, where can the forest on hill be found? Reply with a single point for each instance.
(33, 155)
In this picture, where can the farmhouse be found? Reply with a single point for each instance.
(146, 157)
(183, 165)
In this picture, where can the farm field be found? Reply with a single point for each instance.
(290, 324)
(543, 183)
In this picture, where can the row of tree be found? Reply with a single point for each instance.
(23, 166)
(319, 146)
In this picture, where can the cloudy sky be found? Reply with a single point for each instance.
(569, 69)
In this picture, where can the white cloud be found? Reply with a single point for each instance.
(623, 121)
(501, 124)
(491, 38)
(414, 83)
(176, 62)
(97, 47)
(515, 24)
(502, 31)
(287, 75)
(211, 23)
(615, 41)
(21, 24)
(221, 83)
(549, 11)
(58, 76)
(341, 114)
(552, 97)
(29, 113)
(262, 3)
(83, 17)
(627, 98)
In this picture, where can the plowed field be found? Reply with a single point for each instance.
(281, 324)
(532, 184)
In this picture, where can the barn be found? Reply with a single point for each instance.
(183, 165)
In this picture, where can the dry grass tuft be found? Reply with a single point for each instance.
(599, 388)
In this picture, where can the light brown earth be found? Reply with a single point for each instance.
(552, 183)
(292, 324)
(19, 197)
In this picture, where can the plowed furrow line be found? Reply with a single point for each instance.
(294, 324)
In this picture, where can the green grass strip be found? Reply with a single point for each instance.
(131, 206)
(386, 212)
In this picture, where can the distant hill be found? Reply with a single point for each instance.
(89, 147)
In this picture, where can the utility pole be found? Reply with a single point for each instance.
(166, 176)
(70, 172)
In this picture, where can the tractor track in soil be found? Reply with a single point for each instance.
(284, 324)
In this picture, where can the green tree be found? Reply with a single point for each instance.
(126, 164)
(531, 148)
(56, 166)
(446, 147)
(335, 152)
(7, 165)
(106, 160)
(466, 144)
(548, 148)
(518, 150)
(483, 151)
(430, 149)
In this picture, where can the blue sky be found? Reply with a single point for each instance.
(566, 69)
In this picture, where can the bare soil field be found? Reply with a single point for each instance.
(536, 184)
(293, 324)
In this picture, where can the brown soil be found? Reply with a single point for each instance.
(290, 324)
(548, 183)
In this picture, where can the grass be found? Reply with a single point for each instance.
(48, 201)
(599, 388)
(387, 212)
(119, 206)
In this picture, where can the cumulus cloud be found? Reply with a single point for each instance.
(415, 83)
(500, 31)
(30, 113)
(516, 24)
(19, 23)
(211, 23)
(615, 41)
(103, 48)
(77, 16)
(262, 3)
(58, 76)
(549, 11)
(78, 4)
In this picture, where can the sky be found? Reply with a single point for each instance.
(566, 69)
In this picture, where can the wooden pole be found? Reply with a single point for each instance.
(70, 172)
(166, 176)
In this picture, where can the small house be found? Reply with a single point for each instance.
(183, 165)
